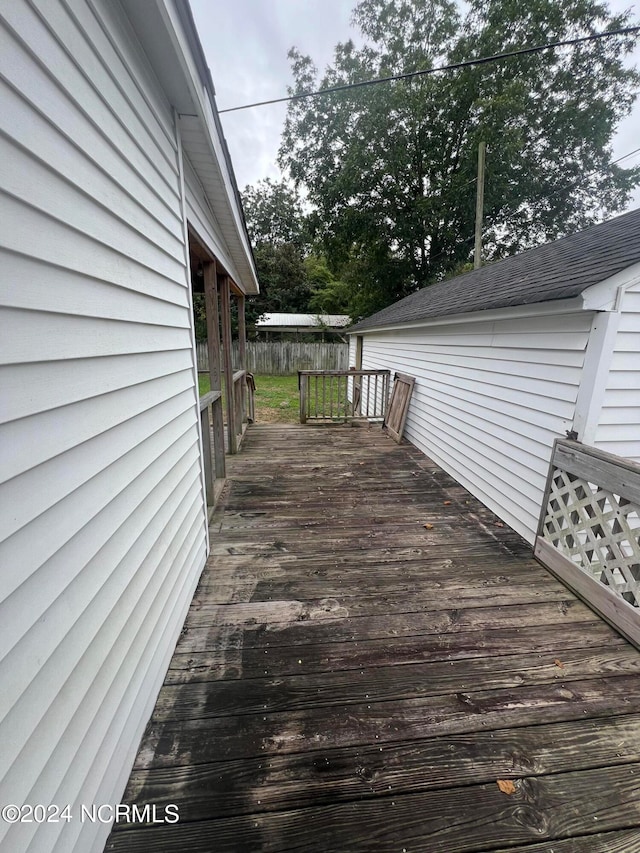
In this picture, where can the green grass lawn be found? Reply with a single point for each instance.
(277, 398)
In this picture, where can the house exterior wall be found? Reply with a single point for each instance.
(352, 350)
(618, 423)
(103, 532)
(489, 400)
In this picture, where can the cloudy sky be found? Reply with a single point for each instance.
(246, 44)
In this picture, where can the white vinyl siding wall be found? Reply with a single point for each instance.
(103, 528)
(352, 350)
(489, 400)
(618, 429)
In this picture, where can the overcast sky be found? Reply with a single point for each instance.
(246, 44)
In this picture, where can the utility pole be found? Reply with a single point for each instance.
(477, 254)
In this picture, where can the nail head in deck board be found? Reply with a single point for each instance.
(420, 707)
(228, 788)
(458, 820)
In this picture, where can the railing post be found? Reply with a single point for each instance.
(225, 312)
(238, 395)
(302, 385)
(215, 377)
(242, 352)
(205, 426)
(251, 403)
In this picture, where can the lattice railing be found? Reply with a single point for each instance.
(591, 522)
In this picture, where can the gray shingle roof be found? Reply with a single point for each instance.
(557, 270)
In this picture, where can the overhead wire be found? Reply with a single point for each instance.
(450, 67)
(467, 63)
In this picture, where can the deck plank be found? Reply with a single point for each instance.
(351, 679)
(312, 778)
(456, 820)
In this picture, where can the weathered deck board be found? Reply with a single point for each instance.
(212, 698)
(233, 661)
(349, 679)
(456, 820)
(311, 778)
(200, 740)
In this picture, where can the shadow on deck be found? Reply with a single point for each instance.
(368, 652)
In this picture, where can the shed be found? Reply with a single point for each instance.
(509, 357)
(305, 324)
(114, 174)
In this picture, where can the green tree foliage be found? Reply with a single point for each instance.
(283, 281)
(328, 294)
(199, 317)
(274, 214)
(391, 168)
(277, 227)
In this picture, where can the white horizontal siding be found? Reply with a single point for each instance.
(618, 429)
(352, 350)
(489, 400)
(103, 530)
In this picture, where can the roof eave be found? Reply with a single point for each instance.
(533, 309)
(184, 76)
(605, 296)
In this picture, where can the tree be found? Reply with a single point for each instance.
(283, 281)
(391, 168)
(274, 214)
(278, 231)
(329, 295)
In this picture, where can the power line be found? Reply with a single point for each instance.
(453, 67)
(624, 156)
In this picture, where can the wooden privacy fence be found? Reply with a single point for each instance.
(284, 358)
(589, 531)
(343, 395)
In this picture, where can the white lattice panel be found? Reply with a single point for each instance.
(597, 529)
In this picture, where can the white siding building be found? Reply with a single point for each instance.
(110, 155)
(514, 355)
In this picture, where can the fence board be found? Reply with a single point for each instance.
(283, 358)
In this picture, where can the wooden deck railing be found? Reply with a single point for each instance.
(211, 423)
(589, 531)
(343, 395)
(244, 399)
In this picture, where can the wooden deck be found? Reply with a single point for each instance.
(368, 652)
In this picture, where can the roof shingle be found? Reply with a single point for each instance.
(558, 270)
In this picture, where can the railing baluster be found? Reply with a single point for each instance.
(346, 398)
(368, 395)
(316, 384)
(331, 397)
